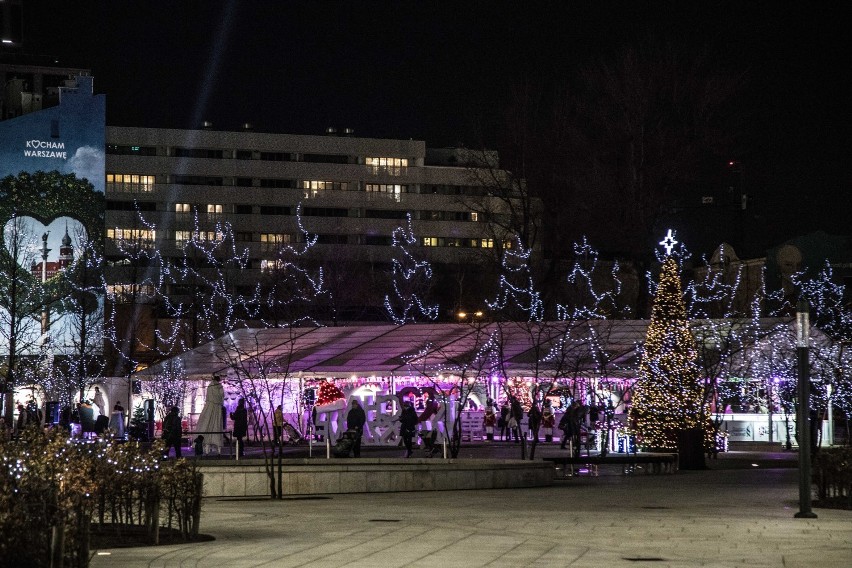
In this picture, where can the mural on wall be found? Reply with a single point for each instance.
(51, 212)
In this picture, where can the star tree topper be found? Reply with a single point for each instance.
(669, 242)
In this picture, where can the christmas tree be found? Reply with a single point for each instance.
(328, 393)
(668, 396)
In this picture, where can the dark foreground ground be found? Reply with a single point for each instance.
(737, 513)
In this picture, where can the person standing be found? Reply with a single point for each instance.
(116, 421)
(21, 423)
(210, 420)
(240, 418)
(567, 428)
(355, 420)
(408, 427)
(503, 421)
(517, 412)
(548, 420)
(278, 426)
(534, 416)
(578, 418)
(172, 431)
(489, 422)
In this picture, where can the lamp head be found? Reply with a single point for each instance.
(803, 325)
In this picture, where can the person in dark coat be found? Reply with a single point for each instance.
(408, 427)
(355, 420)
(240, 418)
(518, 414)
(172, 431)
(534, 416)
(503, 421)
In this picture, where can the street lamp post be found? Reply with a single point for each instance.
(803, 417)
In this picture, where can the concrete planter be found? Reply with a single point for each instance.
(364, 475)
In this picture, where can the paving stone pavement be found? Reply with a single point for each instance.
(724, 517)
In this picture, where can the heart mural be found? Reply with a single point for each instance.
(63, 238)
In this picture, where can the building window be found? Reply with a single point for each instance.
(129, 183)
(270, 265)
(144, 235)
(197, 180)
(386, 191)
(131, 150)
(214, 209)
(273, 241)
(121, 293)
(274, 210)
(274, 182)
(486, 243)
(183, 208)
(212, 236)
(197, 153)
(392, 166)
(474, 216)
(314, 187)
(181, 237)
(430, 241)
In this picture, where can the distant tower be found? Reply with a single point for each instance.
(66, 251)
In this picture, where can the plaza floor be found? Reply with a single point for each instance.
(738, 513)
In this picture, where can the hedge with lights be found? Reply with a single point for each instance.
(55, 491)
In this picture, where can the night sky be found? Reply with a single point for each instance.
(442, 71)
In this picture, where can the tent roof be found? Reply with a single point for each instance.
(385, 350)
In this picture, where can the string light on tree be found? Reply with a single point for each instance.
(668, 396)
(410, 276)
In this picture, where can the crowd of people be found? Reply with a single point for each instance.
(79, 419)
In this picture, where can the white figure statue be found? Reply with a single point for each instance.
(210, 420)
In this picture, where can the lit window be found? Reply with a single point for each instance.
(507, 244)
(392, 166)
(269, 265)
(129, 183)
(215, 208)
(181, 237)
(182, 208)
(210, 236)
(129, 292)
(314, 187)
(486, 243)
(430, 241)
(272, 241)
(145, 235)
(474, 216)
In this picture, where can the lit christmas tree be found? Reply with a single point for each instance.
(668, 397)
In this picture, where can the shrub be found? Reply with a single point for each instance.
(53, 487)
(833, 475)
